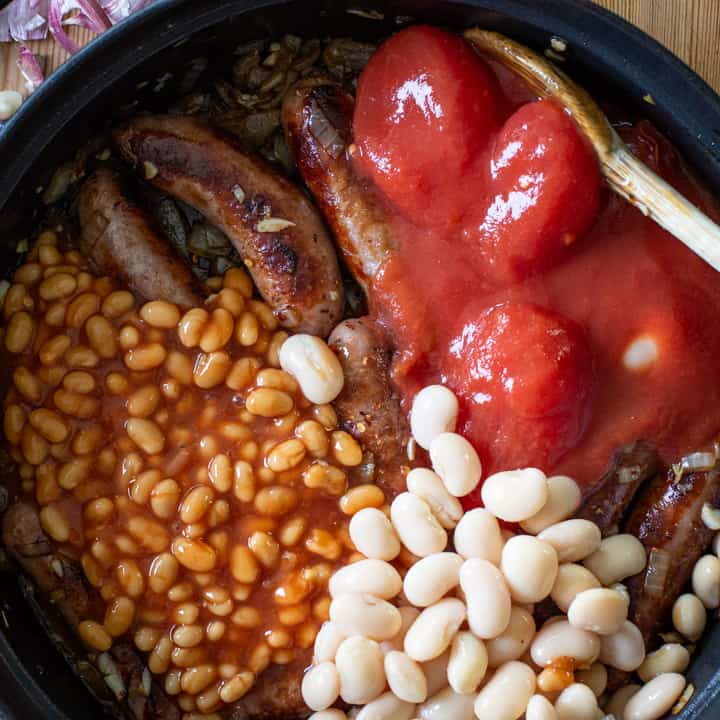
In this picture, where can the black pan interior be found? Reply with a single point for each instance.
(604, 52)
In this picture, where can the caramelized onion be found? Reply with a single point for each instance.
(657, 570)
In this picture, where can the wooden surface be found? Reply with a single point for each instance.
(690, 28)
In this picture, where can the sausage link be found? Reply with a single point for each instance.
(119, 240)
(630, 467)
(367, 406)
(64, 589)
(317, 118)
(274, 227)
(667, 520)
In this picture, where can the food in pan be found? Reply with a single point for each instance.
(344, 389)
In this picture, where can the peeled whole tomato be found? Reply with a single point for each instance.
(524, 375)
(543, 194)
(429, 130)
(425, 111)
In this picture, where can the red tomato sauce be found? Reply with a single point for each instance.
(566, 330)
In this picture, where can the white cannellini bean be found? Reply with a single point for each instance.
(431, 578)
(515, 495)
(371, 577)
(457, 463)
(716, 544)
(689, 616)
(387, 707)
(433, 631)
(321, 686)
(655, 698)
(434, 411)
(331, 714)
(668, 658)
(428, 486)
(327, 641)
(314, 365)
(540, 708)
(416, 526)
(595, 677)
(373, 535)
(507, 693)
(573, 540)
(625, 650)
(617, 558)
(436, 673)
(467, 664)
(365, 615)
(620, 699)
(514, 641)
(576, 702)
(408, 615)
(571, 580)
(563, 499)
(405, 677)
(10, 102)
(477, 535)
(599, 610)
(448, 705)
(360, 665)
(530, 567)
(706, 581)
(487, 596)
(558, 638)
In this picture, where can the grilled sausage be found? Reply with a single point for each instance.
(317, 118)
(667, 520)
(120, 241)
(368, 408)
(630, 467)
(63, 584)
(274, 227)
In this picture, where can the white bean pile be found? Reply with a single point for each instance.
(454, 638)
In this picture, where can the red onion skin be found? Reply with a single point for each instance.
(30, 67)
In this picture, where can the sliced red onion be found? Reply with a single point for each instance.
(29, 67)
(27, 19)
(90, 15)
(32, 19)
(55, 20)
(118, 10)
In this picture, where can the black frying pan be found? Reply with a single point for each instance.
(606, 54)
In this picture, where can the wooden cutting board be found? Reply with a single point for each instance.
(690, 28)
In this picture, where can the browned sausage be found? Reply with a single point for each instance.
(120, 241)
(667, 520)
(630, 467)
(317, 118)
(63, 584)
(368, 408)
(274, 227)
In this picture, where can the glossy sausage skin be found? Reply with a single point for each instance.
(293, 264)
(65, 589)
(120, 241)
(630, 467)
(667, 519)
(317, 117)
(368, 408)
